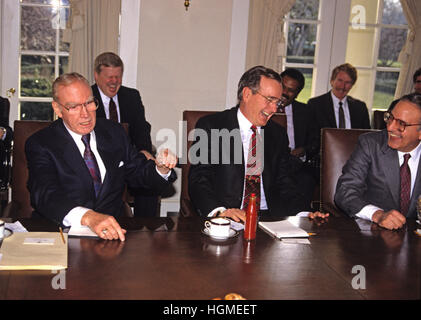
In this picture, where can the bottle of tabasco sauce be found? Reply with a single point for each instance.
(251, 219)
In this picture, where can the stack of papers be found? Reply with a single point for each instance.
(283, 229)
(81, 231)
(34, 251)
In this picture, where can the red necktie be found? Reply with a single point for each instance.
(113, 110)
(91, 163)
(253, 169)
(405, 184)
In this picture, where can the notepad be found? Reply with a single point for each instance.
(34, 251)
(282, 229)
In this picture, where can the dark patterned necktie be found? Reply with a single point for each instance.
(253, 169)
(405, 184)
(341, 116)
(113, 110)
(91, 163)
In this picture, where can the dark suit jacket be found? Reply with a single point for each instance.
(59, 179)
(371, 176)
(305, 132)
(132, 112)
(215, 184)
(4, 120)
(324, 115)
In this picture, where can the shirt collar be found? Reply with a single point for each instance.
(105, 98)
(336, 100)
(415, 154)
(244, 123)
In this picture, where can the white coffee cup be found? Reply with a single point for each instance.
(218, 227)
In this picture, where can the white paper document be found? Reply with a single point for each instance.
(81, 231)
(283, 229)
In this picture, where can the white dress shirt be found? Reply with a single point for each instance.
(368, 211)
(344, 107)
(246, 133)
(106, 101)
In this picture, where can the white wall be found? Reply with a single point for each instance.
(185, 60)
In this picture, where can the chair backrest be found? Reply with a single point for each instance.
(20, 205)
(336, 148)
(190, 118)
(378, 119)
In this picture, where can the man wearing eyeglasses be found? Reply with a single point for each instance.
(78, 166)
(240, 151)
(381, 181)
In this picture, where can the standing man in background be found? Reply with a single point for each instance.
(124, 105)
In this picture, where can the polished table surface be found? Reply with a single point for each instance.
(170, 258)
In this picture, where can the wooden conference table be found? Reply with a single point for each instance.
(170, 258)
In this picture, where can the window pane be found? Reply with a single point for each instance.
(37, 76)
(391, 43)
(385, 89)
(305, 9)
(393, 13)
(36, 111)
(64, 18)
(301, 43)
(305, 94)
(64, 65)
(360, 46)
(37, 32)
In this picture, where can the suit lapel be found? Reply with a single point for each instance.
(330, 110)
(415, 192)
(353, 114)
(100, 112)
(298, 128)
(390, 164)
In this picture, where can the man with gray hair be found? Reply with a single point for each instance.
(124, 105)
(381, 181)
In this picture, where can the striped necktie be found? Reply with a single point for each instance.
(91, 163)
(253, 169)
(405, 174)
(113, 110)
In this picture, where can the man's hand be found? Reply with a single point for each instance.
(391, 220)
(237, 215)
(165, 161)
(299, 152)
(105, 226)
(147, 155)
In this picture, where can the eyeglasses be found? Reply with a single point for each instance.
(276, 101)
(90, 105)
(388, 118)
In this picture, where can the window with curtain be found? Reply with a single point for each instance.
(302, 23)
(43, 54)
(373, 48)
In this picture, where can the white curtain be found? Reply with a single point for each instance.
(266, 41)
(95, 29)
(410, 56)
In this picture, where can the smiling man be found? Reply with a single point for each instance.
(218, 188)
(79, 165)
(381, 181)
(336, 109)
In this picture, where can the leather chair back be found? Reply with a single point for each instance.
(190, 118)
(20, 205)
(336, 148)
(378, 120)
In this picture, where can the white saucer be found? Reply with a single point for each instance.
(232, 233)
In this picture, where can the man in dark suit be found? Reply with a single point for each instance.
(381, 181)
(6, 137)
(219, 177)
(336, 109)
(78, 166)
(124, 105)
(302, 134)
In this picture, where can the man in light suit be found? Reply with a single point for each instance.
(128, 106)
(73, 184)
(375, 178)
(217, 181)
(326, 108)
